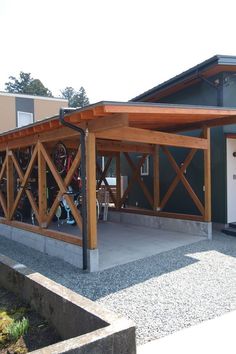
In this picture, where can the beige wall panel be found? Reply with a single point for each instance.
(7, 113)
(45, 108)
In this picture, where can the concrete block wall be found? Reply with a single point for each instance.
(197, 228)
(68, 252)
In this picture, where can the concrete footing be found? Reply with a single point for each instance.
(197, 228)
(68, 252)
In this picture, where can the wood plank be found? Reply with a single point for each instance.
(153, 137)
(10, 184)
(117, 146)
(91, 190)
(207, 175)
(156, 178)
(42, 189)
(110, 122)
(118, 181)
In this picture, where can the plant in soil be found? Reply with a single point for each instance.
(22, 330)
(17, 329)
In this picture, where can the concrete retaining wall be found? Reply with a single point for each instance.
(197, 228)
(68, 252)
(84, 326)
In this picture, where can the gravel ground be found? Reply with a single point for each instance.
(162, 293)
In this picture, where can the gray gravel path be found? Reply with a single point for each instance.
(162, 293)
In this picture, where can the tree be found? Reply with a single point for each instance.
(27, 84)
(75, 98)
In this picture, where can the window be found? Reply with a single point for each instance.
(24, 118)
(145, 167)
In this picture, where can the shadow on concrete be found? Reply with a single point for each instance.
(100, 284)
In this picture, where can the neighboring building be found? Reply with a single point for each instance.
(18, 110)
(211, 83)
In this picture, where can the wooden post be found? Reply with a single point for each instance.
(156, 178)
(42, 188)
(10, 184)
(118, 181)
(207, 175)
(91, 190)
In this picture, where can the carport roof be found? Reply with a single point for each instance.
(152, 116)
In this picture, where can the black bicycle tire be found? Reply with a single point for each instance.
(55, 158)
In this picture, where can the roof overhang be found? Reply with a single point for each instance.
(206, 69)
(112, 115)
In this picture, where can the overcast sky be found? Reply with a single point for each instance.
(115, 49)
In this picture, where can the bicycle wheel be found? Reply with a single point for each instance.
(24, 157)
(60, 157)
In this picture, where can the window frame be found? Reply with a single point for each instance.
(25, 113)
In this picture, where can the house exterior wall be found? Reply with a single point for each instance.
(40, 107)
(202, 93)
(7, 113)
(45, 109)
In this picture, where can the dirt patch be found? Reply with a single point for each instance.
(39, 334)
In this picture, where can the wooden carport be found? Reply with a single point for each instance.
(111, 128)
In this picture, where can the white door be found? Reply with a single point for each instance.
(231, 180)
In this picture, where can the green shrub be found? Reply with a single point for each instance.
(17, 329)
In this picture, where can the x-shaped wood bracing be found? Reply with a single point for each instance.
(2, 198)
(63, 186)
(103, 179)
(180, 177)
(137, 177)
(23, 181)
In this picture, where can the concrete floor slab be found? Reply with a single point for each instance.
(121, 243)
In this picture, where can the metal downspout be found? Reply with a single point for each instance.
(63, 111)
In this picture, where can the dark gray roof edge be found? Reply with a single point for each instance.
(215, 60)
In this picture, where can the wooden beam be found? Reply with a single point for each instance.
(118, 180)
(117, 146)
(42, 189)
(10, 185)
(207, 175)
(91, 190)
(153, 137)
(110, 122)
(156, 178)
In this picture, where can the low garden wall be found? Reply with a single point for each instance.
(84, 326)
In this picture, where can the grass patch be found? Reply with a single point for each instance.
(17, 329)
